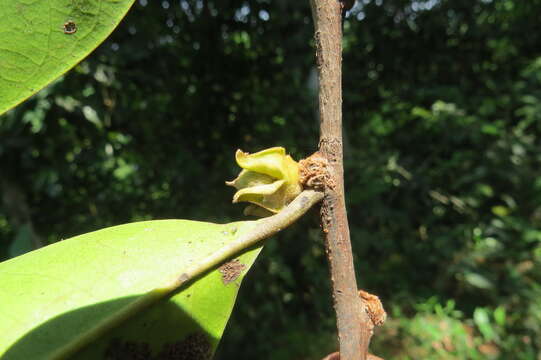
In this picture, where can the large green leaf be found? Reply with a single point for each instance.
(51, 298)
(41, 40)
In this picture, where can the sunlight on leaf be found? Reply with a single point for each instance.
(52, 296)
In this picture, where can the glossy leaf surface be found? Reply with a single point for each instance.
(51, 297)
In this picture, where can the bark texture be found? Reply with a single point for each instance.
(352, 321)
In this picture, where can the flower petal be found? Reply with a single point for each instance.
(269, 161)
(271, 197)
(249, 178)
(256, 193)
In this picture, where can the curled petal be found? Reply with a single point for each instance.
(254, 194)
(273, 162)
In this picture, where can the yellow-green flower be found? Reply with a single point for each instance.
(269, 180)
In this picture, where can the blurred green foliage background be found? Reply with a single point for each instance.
(442, 110)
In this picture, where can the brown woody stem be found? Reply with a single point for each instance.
(352, 321)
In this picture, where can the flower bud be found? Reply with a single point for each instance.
(269, 181)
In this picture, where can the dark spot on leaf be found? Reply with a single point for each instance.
(231, 271)
(70, 27)
(194, 347)
(127, 350)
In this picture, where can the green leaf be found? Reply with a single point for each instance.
(481, 319)
(478, 280)
(41, 40)
(53, 299)
(499, 315)
(500, 210)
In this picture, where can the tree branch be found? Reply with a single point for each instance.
(352, 321)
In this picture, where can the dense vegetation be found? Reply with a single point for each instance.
(442, 110)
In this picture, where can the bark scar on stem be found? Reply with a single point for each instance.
(332, 148)
(374, 308)
(314, 172)
(319, 55)
(376, 314)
